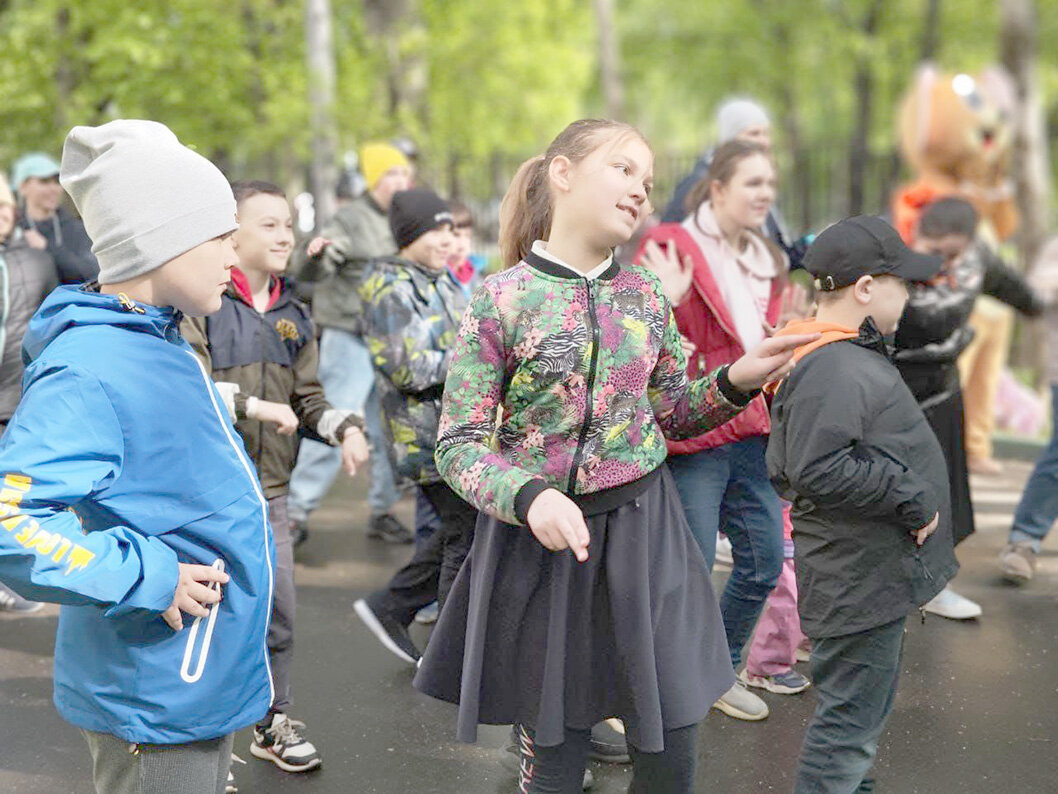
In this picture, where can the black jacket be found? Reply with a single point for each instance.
(68, 244)
(935, 326)
(852, 450)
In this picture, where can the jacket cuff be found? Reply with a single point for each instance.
(734, 395)
(525, 497)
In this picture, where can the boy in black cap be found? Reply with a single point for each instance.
(871, 517)
(412, 310)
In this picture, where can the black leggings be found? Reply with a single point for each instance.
(560, 769)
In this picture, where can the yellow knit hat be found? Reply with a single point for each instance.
(377, 158)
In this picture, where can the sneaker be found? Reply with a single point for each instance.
(299, 532)
(391, 633)
(386, 527)
(10, 601)
(231, 787)
(1017, 561)
(724, 555)
(428, 615)
(740, 703)
(789, 683)
(511, 760)
(949, 604)
(284, 746)
(608, 743)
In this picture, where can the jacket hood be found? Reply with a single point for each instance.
(81, 305)
(829, 333)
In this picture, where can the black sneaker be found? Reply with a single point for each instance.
(299, 532)
(608, 742)
(386, 527)
(391, 633)
(284, 746)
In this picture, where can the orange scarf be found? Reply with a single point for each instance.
(830, 332)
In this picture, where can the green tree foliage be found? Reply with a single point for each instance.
(480, 84)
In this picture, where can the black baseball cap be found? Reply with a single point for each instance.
(864, 246)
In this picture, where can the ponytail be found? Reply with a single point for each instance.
(525, 212)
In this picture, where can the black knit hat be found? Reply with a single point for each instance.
(413, 213)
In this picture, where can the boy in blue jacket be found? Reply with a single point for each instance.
(109, 512)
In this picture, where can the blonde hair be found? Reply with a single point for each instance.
(525, 212)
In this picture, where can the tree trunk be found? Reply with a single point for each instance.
(63, 71)
(930, 31)
(319, 46)
(1018, 44)
(1030, 167)
(609, 59)
(863, 82)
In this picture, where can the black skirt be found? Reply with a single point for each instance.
(936, 387)
(533, 637)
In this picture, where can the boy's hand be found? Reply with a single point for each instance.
(354, 450)
(675, 274)
(279, 413)
(316, 245)
(926, 531)
(192, 595)
(689, 347)
(558, 523)
(771, 360)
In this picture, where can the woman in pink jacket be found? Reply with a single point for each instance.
(726, 282)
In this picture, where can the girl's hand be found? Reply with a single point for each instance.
(795, 306)
(193, 593)
(675, 274)
(354, 450)
(771, 360)
(279, 413)
(35, 239)
(558, 523)
(690, 349)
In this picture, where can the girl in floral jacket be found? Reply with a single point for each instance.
(584, 595)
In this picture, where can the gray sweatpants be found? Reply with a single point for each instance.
(195, 768)
(281, 627)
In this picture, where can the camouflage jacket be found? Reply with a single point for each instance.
(411, 316)
(590, 377)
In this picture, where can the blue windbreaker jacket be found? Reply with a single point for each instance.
(120, 462)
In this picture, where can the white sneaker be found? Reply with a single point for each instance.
(740, 703)
(723, 551)
(949, 604)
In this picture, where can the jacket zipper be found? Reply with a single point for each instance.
(261, 395)
(590, 386)
(228, 428)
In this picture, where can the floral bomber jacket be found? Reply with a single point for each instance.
(586, 377)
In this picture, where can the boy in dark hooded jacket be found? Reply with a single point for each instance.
(871, 514)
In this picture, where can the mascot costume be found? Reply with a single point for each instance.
(955, 135)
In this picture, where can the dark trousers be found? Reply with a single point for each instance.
(281, 626)
(855, 678)
(560, 769)
(429, 575)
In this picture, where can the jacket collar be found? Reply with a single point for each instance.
(873, 339)
(240, 288)
(554, 270)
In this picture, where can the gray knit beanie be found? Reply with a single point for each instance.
(736, 115)
(144, 197)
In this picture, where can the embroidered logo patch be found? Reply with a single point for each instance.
(287, 330)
